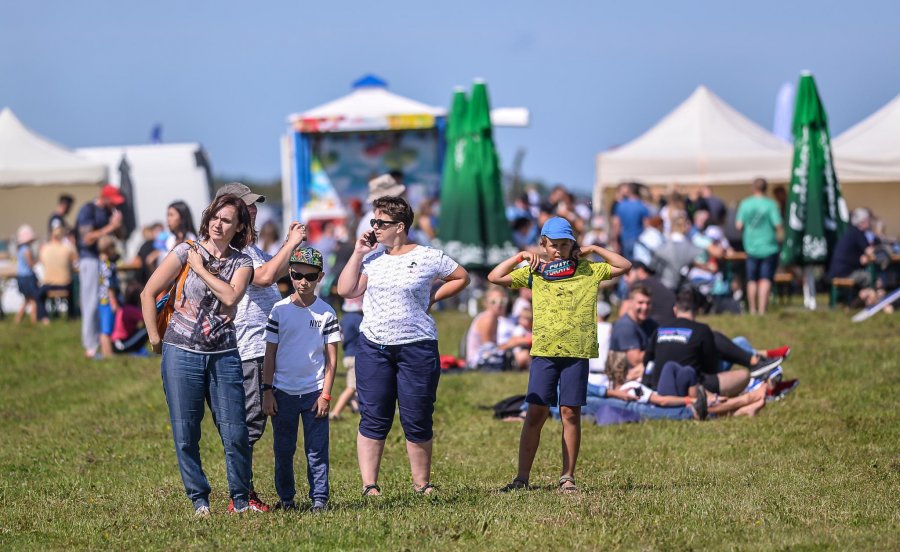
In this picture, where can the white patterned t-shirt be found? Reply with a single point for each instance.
(398, 294)
(254, 309)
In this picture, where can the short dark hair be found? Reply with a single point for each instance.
(242, 237)
(760, 185)
(640, 288)
(686, 300)
(397, 208)
(67, 199)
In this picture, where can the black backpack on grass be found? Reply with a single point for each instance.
(509, 407)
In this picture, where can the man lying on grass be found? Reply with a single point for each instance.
(564, 337)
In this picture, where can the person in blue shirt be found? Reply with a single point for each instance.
(628, 218)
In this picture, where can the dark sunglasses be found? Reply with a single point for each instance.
(378, 223)
(299, 276)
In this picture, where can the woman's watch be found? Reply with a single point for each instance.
(266, 387)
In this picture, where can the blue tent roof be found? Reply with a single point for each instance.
(370, 81)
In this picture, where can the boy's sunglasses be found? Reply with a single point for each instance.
(299, 276)
(378, 223)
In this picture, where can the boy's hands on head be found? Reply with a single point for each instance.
(533, 260)
(321, 407)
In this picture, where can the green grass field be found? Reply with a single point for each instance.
(87, 461)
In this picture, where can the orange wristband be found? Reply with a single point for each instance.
(326, 396)
(687, 401)
(521, 258)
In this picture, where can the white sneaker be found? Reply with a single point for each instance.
(201, 512)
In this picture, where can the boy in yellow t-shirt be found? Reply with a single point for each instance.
(564, 337)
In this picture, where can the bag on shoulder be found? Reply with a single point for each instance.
(165, 303)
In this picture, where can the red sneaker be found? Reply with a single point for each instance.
(256, 504)
(783, 352)
(230, 505)
(781, 389)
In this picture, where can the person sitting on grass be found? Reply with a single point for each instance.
(679, 397)
(687, 342)
(489, 339)
(298, 374)
(565, 337)
(129, 334)
(631, 332)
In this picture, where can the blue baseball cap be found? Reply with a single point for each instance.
(558, 228)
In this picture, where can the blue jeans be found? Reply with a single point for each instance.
(645, 410)
(189, 380)
(285, 424)
(741, 342)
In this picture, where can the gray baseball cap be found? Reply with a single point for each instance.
(242, 191)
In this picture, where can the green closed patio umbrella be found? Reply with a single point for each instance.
(816, 212)
(452, 214)
(473, 227)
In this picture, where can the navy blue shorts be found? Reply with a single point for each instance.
(761, 268)
(386, 375)
(28, 286)
(570, 375)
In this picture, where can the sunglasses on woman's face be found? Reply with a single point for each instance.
(378, 223)
(299, 276)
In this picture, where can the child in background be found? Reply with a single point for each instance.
(298, 372)
(109, 292)
(26, 279)
(129, 334)
(350, 328)
(564, 338)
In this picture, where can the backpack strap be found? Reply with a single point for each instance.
(182, 277)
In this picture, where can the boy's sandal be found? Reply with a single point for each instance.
(567, 485)
(367, 490)
(425, 489)
(516, 485)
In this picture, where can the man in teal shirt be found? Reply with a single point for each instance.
(759, 219)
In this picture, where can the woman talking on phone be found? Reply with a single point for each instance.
(397, 360)
(199, 348)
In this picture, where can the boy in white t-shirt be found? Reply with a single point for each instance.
(298, 372)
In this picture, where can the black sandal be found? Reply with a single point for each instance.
(424, 489)
(367, 490)
(516, 485)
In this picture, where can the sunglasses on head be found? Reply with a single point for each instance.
(378, 223)
(299, 276)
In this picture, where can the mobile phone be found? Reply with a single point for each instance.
(370, 239)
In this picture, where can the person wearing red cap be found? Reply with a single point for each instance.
(95, 219)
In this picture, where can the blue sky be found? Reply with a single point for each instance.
(594, 74)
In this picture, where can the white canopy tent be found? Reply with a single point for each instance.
(702, 141)
(159, 175)
(34, 171)
(867, 160)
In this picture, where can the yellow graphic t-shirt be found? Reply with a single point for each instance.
(565, 311)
